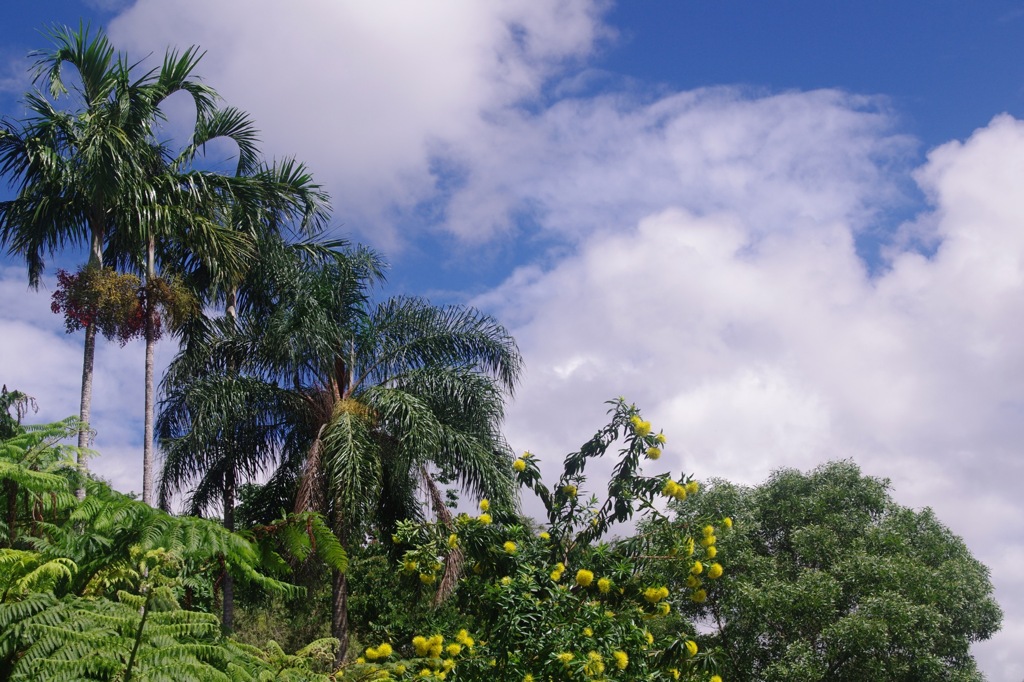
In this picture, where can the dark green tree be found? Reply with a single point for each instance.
(829, 579)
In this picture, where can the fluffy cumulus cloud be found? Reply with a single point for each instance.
(746, 325)
(367, 93)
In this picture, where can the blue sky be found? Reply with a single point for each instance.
(789, 231)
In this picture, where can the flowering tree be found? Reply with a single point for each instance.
(563, 603)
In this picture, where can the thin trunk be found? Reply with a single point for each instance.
(11, 490)
(227, 582)
(339, 616)
(147, 443)
(85, 407)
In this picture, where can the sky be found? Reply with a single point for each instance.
(790, 232)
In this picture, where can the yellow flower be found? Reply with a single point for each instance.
(421, 644)
(427, 578)
(528, 678)
(621, 659)
(669, 490)
(691, 647)
(384, 650)
(360, 660)
(715, 678)
(565, 657)
(484, 519)
(692, 582)
(506, 580)
(653, 453)
(595, 664)
(674, 672)
(604, 585)
(664, 608)
(400, 669)
(727, 522)
(715, 571)
(692, 487)
(649, 637)
(436, 646)
(569, 490)
(509, 547)
(697, 568)
(712, 551)
(593, 522)
(453, 541)
(408, 565)
(699, 596)
(485, 505)
(643, 428)
(584, 577)
(588, 632)
(708, 540)
(660, 438)
(655, 594)
(544, 535)
(454, 649)
(519, 465)
(709, 530)
(689, 546)
(527, 455)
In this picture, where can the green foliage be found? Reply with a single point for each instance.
(94, 589)
(829, 579)
(559, 604)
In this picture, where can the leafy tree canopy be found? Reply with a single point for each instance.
(830, 579)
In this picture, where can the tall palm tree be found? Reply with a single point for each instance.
(81, 171)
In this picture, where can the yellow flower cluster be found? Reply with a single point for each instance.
(519, 465)
(484, 518)
(655, 594)
(621, 659)
(485, 505)
(428, 646)
(697, 568)
(673, 489)
(660, 439)
(595, 664)
(556, 574)
(569, 490)
(653, 452)
(509, 547)
(691, 647)
(715, 571)
(604, 585)
(640, 427)
(381, 652)
(584, 577)
(544, 535)
(565, 657)
(453, 541)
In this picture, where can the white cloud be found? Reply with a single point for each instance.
(753, 333)
(366, 92)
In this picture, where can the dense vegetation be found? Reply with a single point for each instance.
(334, 434)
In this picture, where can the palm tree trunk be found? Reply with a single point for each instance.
(339, 616)
(227, 582)
(147, 443)
(89, 356)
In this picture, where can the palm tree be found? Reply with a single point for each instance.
(362, 404)
(81, 172)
